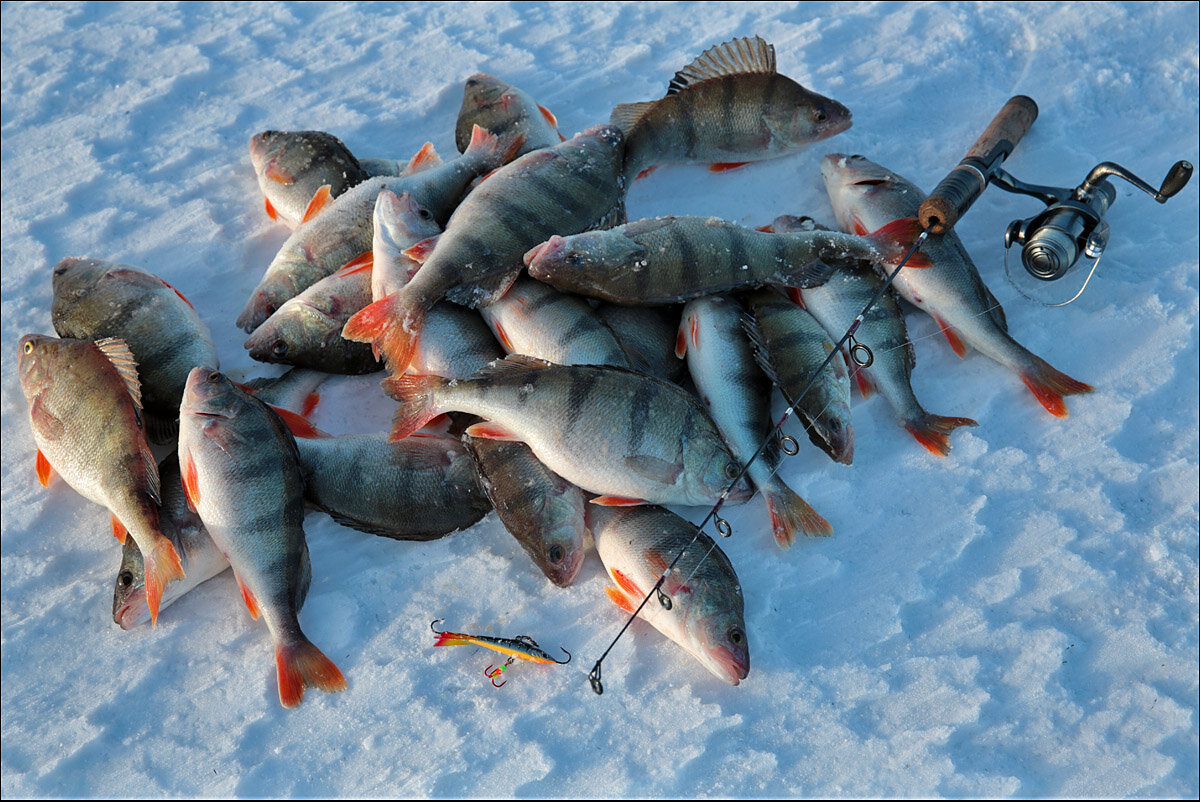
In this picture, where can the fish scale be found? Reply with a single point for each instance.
(585, 423)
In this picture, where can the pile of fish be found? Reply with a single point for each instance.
(550, 359)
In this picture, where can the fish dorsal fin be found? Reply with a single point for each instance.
(738, 57)
(121, 357)
(626, 115)
(513, 363)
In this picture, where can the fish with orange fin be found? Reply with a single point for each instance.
(570, 187)
(299, 172)
(706, 612)
(728, 107)
(86, 413)
(668, 260)
(241, 473)
(835, 302)
(951, 291)
(721, 361)
(341, 235)
(505, 111)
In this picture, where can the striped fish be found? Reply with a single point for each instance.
(629, 438)
(647, 336)
(567, 188)
(790, 345)
(455, 342)
(505, 111)
(342, 233)
(299, 172)
(726, 108)
(669, 260)
(836, 303)
(737, 393)
(85, 412)
(537, 320)
(951, 290)
(707, 612)
(543, 511)
(95, 299)
(420, 488)
(241, 474)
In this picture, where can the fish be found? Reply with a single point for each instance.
(85, 412)
(647, 336)
(95, 299)
(241, 474)
(669, 260)
(721, 361)
(570, 187)
(707, 611)
(728, 107)
(199, 556)
(342, 233)
(537, 320)
(790, 345)
(306, 330)
(300, 172)
(421, 488)
(836, 302)
(505, 111)
(455, 342)
(543, 511)
(951, 291)
(626, 437)
(398, 223)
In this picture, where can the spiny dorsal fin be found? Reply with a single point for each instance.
(513, 363)
(121, 357)
(738, 57)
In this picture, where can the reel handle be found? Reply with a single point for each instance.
(966, 182)
(1177, 178)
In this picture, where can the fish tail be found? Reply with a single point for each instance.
(933, 431)
(1049, 385)
(162, 567)
(417, 404)
(300, 665)
(791, 514)
(390, 326)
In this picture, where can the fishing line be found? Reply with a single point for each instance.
(594, 676)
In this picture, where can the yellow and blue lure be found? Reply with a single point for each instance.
(521, 647)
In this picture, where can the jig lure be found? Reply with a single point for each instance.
(522, 647)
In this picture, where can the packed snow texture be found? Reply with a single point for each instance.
(1018, 619)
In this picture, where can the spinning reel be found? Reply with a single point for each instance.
(1073, 222)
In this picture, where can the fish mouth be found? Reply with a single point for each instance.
(535, 257)
(731, 666)
(134, 612)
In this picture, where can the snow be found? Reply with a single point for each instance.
(1017, 619)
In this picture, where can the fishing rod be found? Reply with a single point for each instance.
(952, 198)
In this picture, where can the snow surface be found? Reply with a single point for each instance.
(1018, 619)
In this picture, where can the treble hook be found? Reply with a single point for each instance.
(435, 621)
(492, 674)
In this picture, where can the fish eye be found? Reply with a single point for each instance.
(834, 425)
(279, 349)
(736, 636)
(215, 376)
(556, 553)
(820, 116)
(29, 346)
(425, 214)
(574, 259)
(125, 578)
(858, 157)
(732, 469)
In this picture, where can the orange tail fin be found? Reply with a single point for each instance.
(416, 402)
(933, 431)
(452, 639)
(300, 665)
(391, 327)
(1050, 385)
(790, 514)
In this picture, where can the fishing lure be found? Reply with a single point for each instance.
(521, 647)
